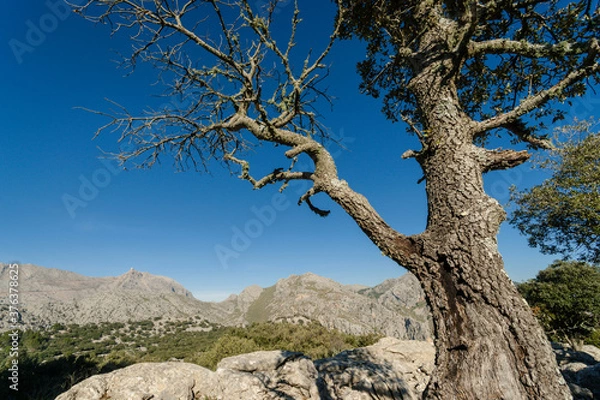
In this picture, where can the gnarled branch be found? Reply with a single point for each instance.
(503, 159)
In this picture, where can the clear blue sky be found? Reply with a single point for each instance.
(171, 223)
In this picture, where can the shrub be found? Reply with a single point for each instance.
(566, 299)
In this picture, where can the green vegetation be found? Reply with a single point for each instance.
(566, 299)
(562, 215)
(53, 360)
(311, 339)
(257, 312)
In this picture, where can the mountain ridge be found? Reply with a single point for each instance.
(395, 307)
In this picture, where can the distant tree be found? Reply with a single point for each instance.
(457, 71)
(566, 298)
(562, 215)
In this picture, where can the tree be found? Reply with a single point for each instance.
(562, 215)
(566, 298)
(455, 71)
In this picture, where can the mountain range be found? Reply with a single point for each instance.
(395, 308)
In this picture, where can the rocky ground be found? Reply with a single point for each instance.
(391, 369)
(581, 370)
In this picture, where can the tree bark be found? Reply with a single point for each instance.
(489, 344)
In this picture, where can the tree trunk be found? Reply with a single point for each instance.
(489, 344)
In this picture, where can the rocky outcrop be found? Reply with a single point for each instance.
(167, 381)
(256, 376)
(389, 370)
(50, 296)
(581, 370)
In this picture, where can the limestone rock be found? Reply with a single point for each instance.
(592, 351)
(394, 308)
(156, 381)
(589, 378)
(581, 370)
(386, 308)
(58, 296)
(265, 375)
(389, 370)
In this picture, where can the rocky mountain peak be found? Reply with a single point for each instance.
(134, 280)
(308, 280)
(394, 308)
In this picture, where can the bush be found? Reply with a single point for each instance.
(566, 299)
(227, 346)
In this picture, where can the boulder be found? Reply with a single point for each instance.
(264, 375)
(144, 381)
(591, 351)
(389, 370)
(589, 378)
(581, 370)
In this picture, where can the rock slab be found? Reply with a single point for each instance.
(391, 369)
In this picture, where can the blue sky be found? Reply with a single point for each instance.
(174, 224)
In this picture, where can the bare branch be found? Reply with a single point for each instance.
(409, 154)
(303, 148)
(235, 87)
(520, 130)
(278, 175)
(306, 198)
(414, 128)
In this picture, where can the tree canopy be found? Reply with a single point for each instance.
(566, 298)
(506, 58)
(562, 214)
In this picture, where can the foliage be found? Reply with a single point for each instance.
(541, 41)
(566, 299)
(53, 360)
(226, 346)
(594, 338)
(562, 215)
(312, 339)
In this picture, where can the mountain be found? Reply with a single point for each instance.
(48, 296)
(394, 308)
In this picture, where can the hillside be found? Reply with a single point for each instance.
(393, 308)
